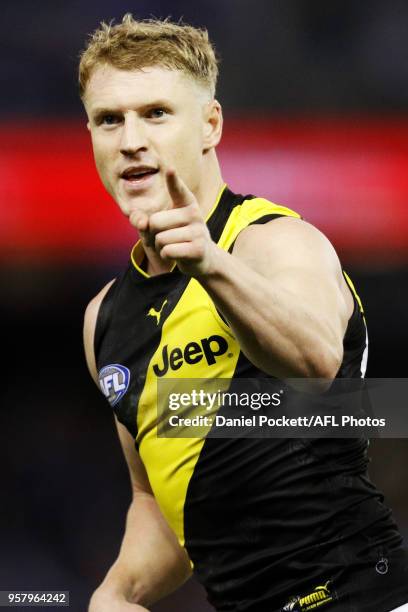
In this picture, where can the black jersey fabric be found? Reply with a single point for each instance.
(269, 524)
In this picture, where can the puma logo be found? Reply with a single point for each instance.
(156, 313)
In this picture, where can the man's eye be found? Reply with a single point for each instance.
(109, 119)
(156, 113)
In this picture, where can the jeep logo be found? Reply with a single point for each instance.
(193, 352)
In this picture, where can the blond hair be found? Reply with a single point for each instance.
(132, 45)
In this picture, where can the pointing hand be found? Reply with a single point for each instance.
(180, 233)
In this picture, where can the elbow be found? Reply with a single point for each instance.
(322, 365)
(326, 365)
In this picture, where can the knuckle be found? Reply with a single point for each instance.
(166, 251)
(199, 249)
(195, 212)
(201, 229)
(196, 233)
(159, 240)
(153, 223)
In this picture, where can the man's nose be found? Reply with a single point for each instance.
(134, 137)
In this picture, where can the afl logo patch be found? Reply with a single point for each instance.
(114, 382)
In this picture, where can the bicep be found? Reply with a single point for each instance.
(298, 259)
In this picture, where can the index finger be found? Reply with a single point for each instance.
(179, 193)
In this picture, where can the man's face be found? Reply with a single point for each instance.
(141, 123)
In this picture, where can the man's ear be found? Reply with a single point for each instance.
(212, 125)
(88, 125)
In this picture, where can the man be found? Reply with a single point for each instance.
(221, 286)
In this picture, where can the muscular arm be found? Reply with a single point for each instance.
(151, 563)
(282, 291)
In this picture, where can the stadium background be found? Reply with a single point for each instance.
(315, 98)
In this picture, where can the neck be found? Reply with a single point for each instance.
(210, 184)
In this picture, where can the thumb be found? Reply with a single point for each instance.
(139, 220)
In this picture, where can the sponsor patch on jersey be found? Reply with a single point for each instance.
(114, 382)
(320, 596)
(192, 353)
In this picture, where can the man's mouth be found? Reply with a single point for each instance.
(136, 174)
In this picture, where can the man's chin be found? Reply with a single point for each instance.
(128, 204)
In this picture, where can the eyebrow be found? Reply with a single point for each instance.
(97, 112)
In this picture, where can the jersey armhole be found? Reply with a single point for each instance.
(102, 320)
(261, 221)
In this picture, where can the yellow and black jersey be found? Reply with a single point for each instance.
(263, 520)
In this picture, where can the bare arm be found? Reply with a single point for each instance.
(293, 302)
(151, 562)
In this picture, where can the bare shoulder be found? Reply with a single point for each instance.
(91, 315)
(91, 312)
(294, 248)
(287, 239)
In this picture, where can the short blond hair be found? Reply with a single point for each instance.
(132, 45)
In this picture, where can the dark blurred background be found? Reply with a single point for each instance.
(315, 96)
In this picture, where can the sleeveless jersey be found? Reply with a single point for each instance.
(267, 523)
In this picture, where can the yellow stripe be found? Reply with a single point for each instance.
(246, 213)
(217, 201)
(138, 253)
(170, 462)
(353, 290)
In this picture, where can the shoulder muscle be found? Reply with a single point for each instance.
(297, 257)
(287, 243)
